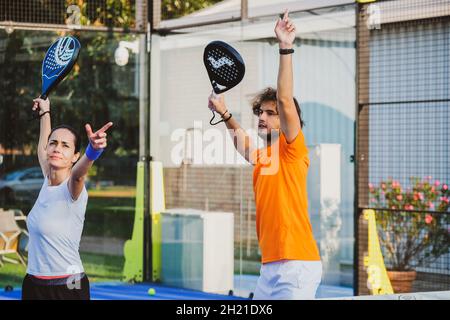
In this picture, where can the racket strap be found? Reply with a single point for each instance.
(223, 120)
(37, 116)
(42, 114)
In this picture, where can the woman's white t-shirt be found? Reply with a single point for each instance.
(55, 224)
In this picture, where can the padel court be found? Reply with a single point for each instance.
(121, 291)
(373, 89)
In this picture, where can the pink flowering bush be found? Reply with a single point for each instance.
(413, 225)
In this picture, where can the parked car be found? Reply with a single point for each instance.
(21, 186)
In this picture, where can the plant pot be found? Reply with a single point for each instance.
(401, 281)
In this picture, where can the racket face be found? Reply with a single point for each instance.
(224, 65)
(58, 61)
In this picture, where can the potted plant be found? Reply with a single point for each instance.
(413, 226)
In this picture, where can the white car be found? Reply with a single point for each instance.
(21, 186)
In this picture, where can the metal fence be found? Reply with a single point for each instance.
(403, 163)
(119, 15)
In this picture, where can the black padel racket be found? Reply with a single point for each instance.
(58, 62)
(225, 67)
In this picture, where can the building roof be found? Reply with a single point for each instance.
(231, 9)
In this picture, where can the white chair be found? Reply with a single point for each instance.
(9, 236)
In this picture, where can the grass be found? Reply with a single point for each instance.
(11, 274)
(109, 217)
(110, 213)
(99, 268)
(102, 268)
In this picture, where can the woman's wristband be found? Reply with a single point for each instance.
(93, 154)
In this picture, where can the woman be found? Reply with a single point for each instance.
(55, 222)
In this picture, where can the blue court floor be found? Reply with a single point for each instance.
(244, 284)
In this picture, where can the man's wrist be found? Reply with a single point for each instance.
(222, 112)
(282, 45)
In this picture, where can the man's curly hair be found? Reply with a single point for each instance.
(269, 94)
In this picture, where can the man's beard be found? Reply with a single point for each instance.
(269, 135)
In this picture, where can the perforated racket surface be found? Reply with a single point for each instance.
(58, 61)
(224, 65)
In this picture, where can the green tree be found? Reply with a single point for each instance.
(96, 90)
(172, 9)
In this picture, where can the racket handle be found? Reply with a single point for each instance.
(43, 97)
(215, 96)
(36, 112)
(35, 115)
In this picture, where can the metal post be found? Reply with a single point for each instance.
(143, 12)
(244, 9)
(362, 148)
(155, 14)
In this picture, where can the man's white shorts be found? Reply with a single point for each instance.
(288, 280)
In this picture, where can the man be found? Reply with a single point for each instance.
(291, 266)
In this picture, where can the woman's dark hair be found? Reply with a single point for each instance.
(270, 95)
(73, 131)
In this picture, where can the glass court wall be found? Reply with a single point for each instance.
(204, 177)
(98, 90)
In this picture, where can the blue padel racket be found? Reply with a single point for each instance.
(58, 62)
(225, 67)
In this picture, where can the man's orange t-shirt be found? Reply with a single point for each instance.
(282, 221)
